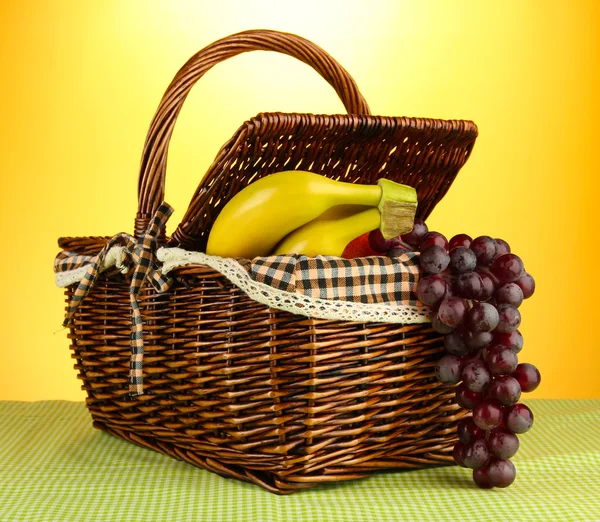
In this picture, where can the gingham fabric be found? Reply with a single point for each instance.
(139, 257)
(368, 280)
(54, 467)
(66, 260)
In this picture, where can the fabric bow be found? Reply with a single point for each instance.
(141, 255)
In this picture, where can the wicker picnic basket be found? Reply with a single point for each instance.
(246, 391)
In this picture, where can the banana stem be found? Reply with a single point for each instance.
(398, 206)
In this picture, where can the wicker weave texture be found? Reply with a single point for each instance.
(280, 400)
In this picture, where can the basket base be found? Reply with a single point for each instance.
(271, 480)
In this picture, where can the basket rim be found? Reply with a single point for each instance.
(469, 125)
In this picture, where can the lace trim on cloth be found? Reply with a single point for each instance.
(293, 302)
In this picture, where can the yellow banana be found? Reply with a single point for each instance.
(264, 212)
(328, 237)
(340, 211)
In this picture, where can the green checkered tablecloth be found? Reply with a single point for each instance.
(55, 467)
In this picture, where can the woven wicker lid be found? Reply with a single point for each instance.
(356, 147)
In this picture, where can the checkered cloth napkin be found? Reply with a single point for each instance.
(367, 280)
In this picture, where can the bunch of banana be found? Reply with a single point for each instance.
(299, 212)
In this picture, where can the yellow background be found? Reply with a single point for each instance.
(81, 81)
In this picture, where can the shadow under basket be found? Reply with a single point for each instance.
(246, 391)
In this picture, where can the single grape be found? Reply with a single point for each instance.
(518, 418)
(501, 360)
(483, 317)
(455, 343)
(509, 318)
(488, 287)
(468, 285)
(481, 478)
(527, 285)
(507, 268)
(509, 293)
(448, 369)
(431, 290)
(466, 398)
(477, 340)
(476, 376)
(468, 431)
(503, 444)
(502, 247)
(413, 238)
(460, 240)
(452, 311)
(457, 454)
(501, 473)
(378, 243)
(484, 248)
(528, 376)
(475, 454)
(433, 238)
(434, 259)
(513, 340)
(438, 326)
(487, 414)
(462, 259)
(505, 389)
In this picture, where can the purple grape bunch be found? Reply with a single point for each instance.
(474, 288)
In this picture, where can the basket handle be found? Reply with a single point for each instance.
(151, 183)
